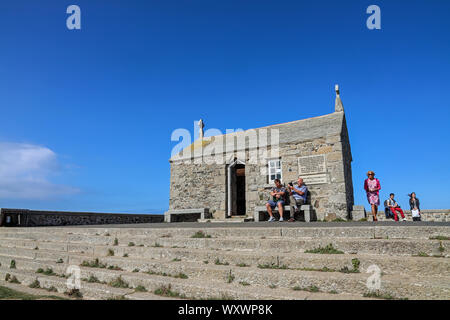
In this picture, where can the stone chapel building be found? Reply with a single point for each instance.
(232, 174)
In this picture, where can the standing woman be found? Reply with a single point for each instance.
(415, 206)
(372, 187)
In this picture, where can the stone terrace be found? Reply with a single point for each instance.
(239, 261)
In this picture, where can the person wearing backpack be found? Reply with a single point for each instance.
(415, 206)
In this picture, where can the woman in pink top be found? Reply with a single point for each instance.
(372, 187)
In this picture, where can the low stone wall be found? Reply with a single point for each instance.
(36, 218)
(437, 215)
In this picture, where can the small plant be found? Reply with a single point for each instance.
(116, 242)
(167, 292)
(242, 265)
(40, 270)
(244, 283)
(131, 244)
(14, 280)
(333, 292)
(329, 249)
(74, 293)
(119, 283)
(422, 254)
(93, 264)
(92, 279)
(60, 260)
(230, 277)
(272, 266)
(311, 288)
(117, 268)
(12, 265)
(136, 270)
(140, 289)
(36, 248)
(51, 289)
(272, 286)
(205, 261)
(441, 247)
(220, 263)
(125, 255)
(35, 284)
(107, 234)
(156, 245)
(200, 235)
(356, 263)
(7, 277)
(49, 272)
(439, 238)
(181, 276)
(110, 253)
(176, 259)
(141, 245)
(362, 219)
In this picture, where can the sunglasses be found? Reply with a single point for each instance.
(371, 174)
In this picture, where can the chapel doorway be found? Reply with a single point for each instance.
(236, 189)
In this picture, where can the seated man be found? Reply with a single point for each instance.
(278, 195)
(297, 197)
(393, 205)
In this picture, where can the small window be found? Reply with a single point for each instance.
(274, 167)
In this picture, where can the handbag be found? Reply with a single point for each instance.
(415, 213)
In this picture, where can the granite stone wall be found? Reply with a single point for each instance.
(36, 218)
(205, 185)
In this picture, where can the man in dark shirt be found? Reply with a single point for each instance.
(278, 200)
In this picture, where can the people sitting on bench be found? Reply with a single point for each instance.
(297, 197)
(394, 207)
(277, 193)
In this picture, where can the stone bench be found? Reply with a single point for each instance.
(261, 213)
(186, 215)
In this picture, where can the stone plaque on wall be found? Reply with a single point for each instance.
(312, 165)
(320, 178)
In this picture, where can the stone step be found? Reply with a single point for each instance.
(140, 260)
(406, 247)
(191, 289)
(425, 287)
(368, 231)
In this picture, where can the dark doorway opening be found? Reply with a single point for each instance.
(240, 188)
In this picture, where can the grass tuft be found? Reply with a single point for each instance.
(200, 235)
(329, 249)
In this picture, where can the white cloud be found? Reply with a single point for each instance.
(25, 170)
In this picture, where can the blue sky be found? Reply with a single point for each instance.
(93, 109)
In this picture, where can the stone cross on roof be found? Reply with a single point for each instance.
(338, 106)
(201, 125)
